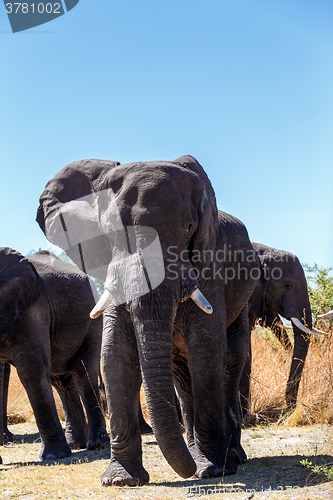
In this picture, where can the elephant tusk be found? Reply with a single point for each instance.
(328, 315)
(102, 304)
(201, 301)
(304, 329)
(319, 331)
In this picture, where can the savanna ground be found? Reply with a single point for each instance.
(275, 443)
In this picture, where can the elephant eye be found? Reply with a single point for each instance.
(287, 285)
(189, 228)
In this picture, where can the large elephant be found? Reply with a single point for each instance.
(282, 290)
(151, 231)
(47, 334)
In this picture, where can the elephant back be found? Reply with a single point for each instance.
(19, 288)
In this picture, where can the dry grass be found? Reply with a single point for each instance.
(270, 371)
(273, 470)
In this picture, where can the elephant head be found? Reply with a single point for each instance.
(282, 291)
(137, 226)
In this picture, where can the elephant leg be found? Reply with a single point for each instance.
(36, 380)
(182, 379)
(122, 377)
(237, 354)
(206, 364)
(2, 368)
(76, 425)
(8, 436)
(245, 379)
(244, 388)
(86, 377)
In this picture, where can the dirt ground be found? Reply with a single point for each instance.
(273, 470)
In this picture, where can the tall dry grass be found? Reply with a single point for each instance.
(270, 369)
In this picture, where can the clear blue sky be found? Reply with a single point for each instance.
(245, 86)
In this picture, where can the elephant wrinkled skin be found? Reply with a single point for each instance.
(47, 334)
(124, 221)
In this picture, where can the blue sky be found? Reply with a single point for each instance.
(245, 86)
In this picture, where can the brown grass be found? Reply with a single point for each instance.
(270, 371)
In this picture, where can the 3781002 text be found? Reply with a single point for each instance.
(33, 8)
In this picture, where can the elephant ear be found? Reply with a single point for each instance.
(205, 236)
(68, 214)
(19, 288)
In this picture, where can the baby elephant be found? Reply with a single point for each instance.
(47, 334)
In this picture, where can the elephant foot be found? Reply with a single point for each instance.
(237, 455)
(76, 437)
(54, 451)
(208, 469)
(8, 436)
(98, 440)
(121, 474)
(75, 444)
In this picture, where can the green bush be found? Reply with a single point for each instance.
(320, 288)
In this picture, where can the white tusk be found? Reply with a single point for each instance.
(304, 328)
(201, 301)
(319, 331)
(328, 315)
(102, 304)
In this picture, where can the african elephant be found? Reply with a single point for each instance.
(281, 290)
(47, 334)
(151, 230)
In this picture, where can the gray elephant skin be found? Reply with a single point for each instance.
(47, 334)
(4, 375)
(281, 290)
(122, 220)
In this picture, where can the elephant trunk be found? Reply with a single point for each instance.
(153, 317)
(302, 330)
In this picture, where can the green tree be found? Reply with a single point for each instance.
(320, 288)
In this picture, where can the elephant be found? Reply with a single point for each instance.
(47, 334)
(175, 309)
(281, 290)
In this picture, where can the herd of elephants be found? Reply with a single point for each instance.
(184, 287)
